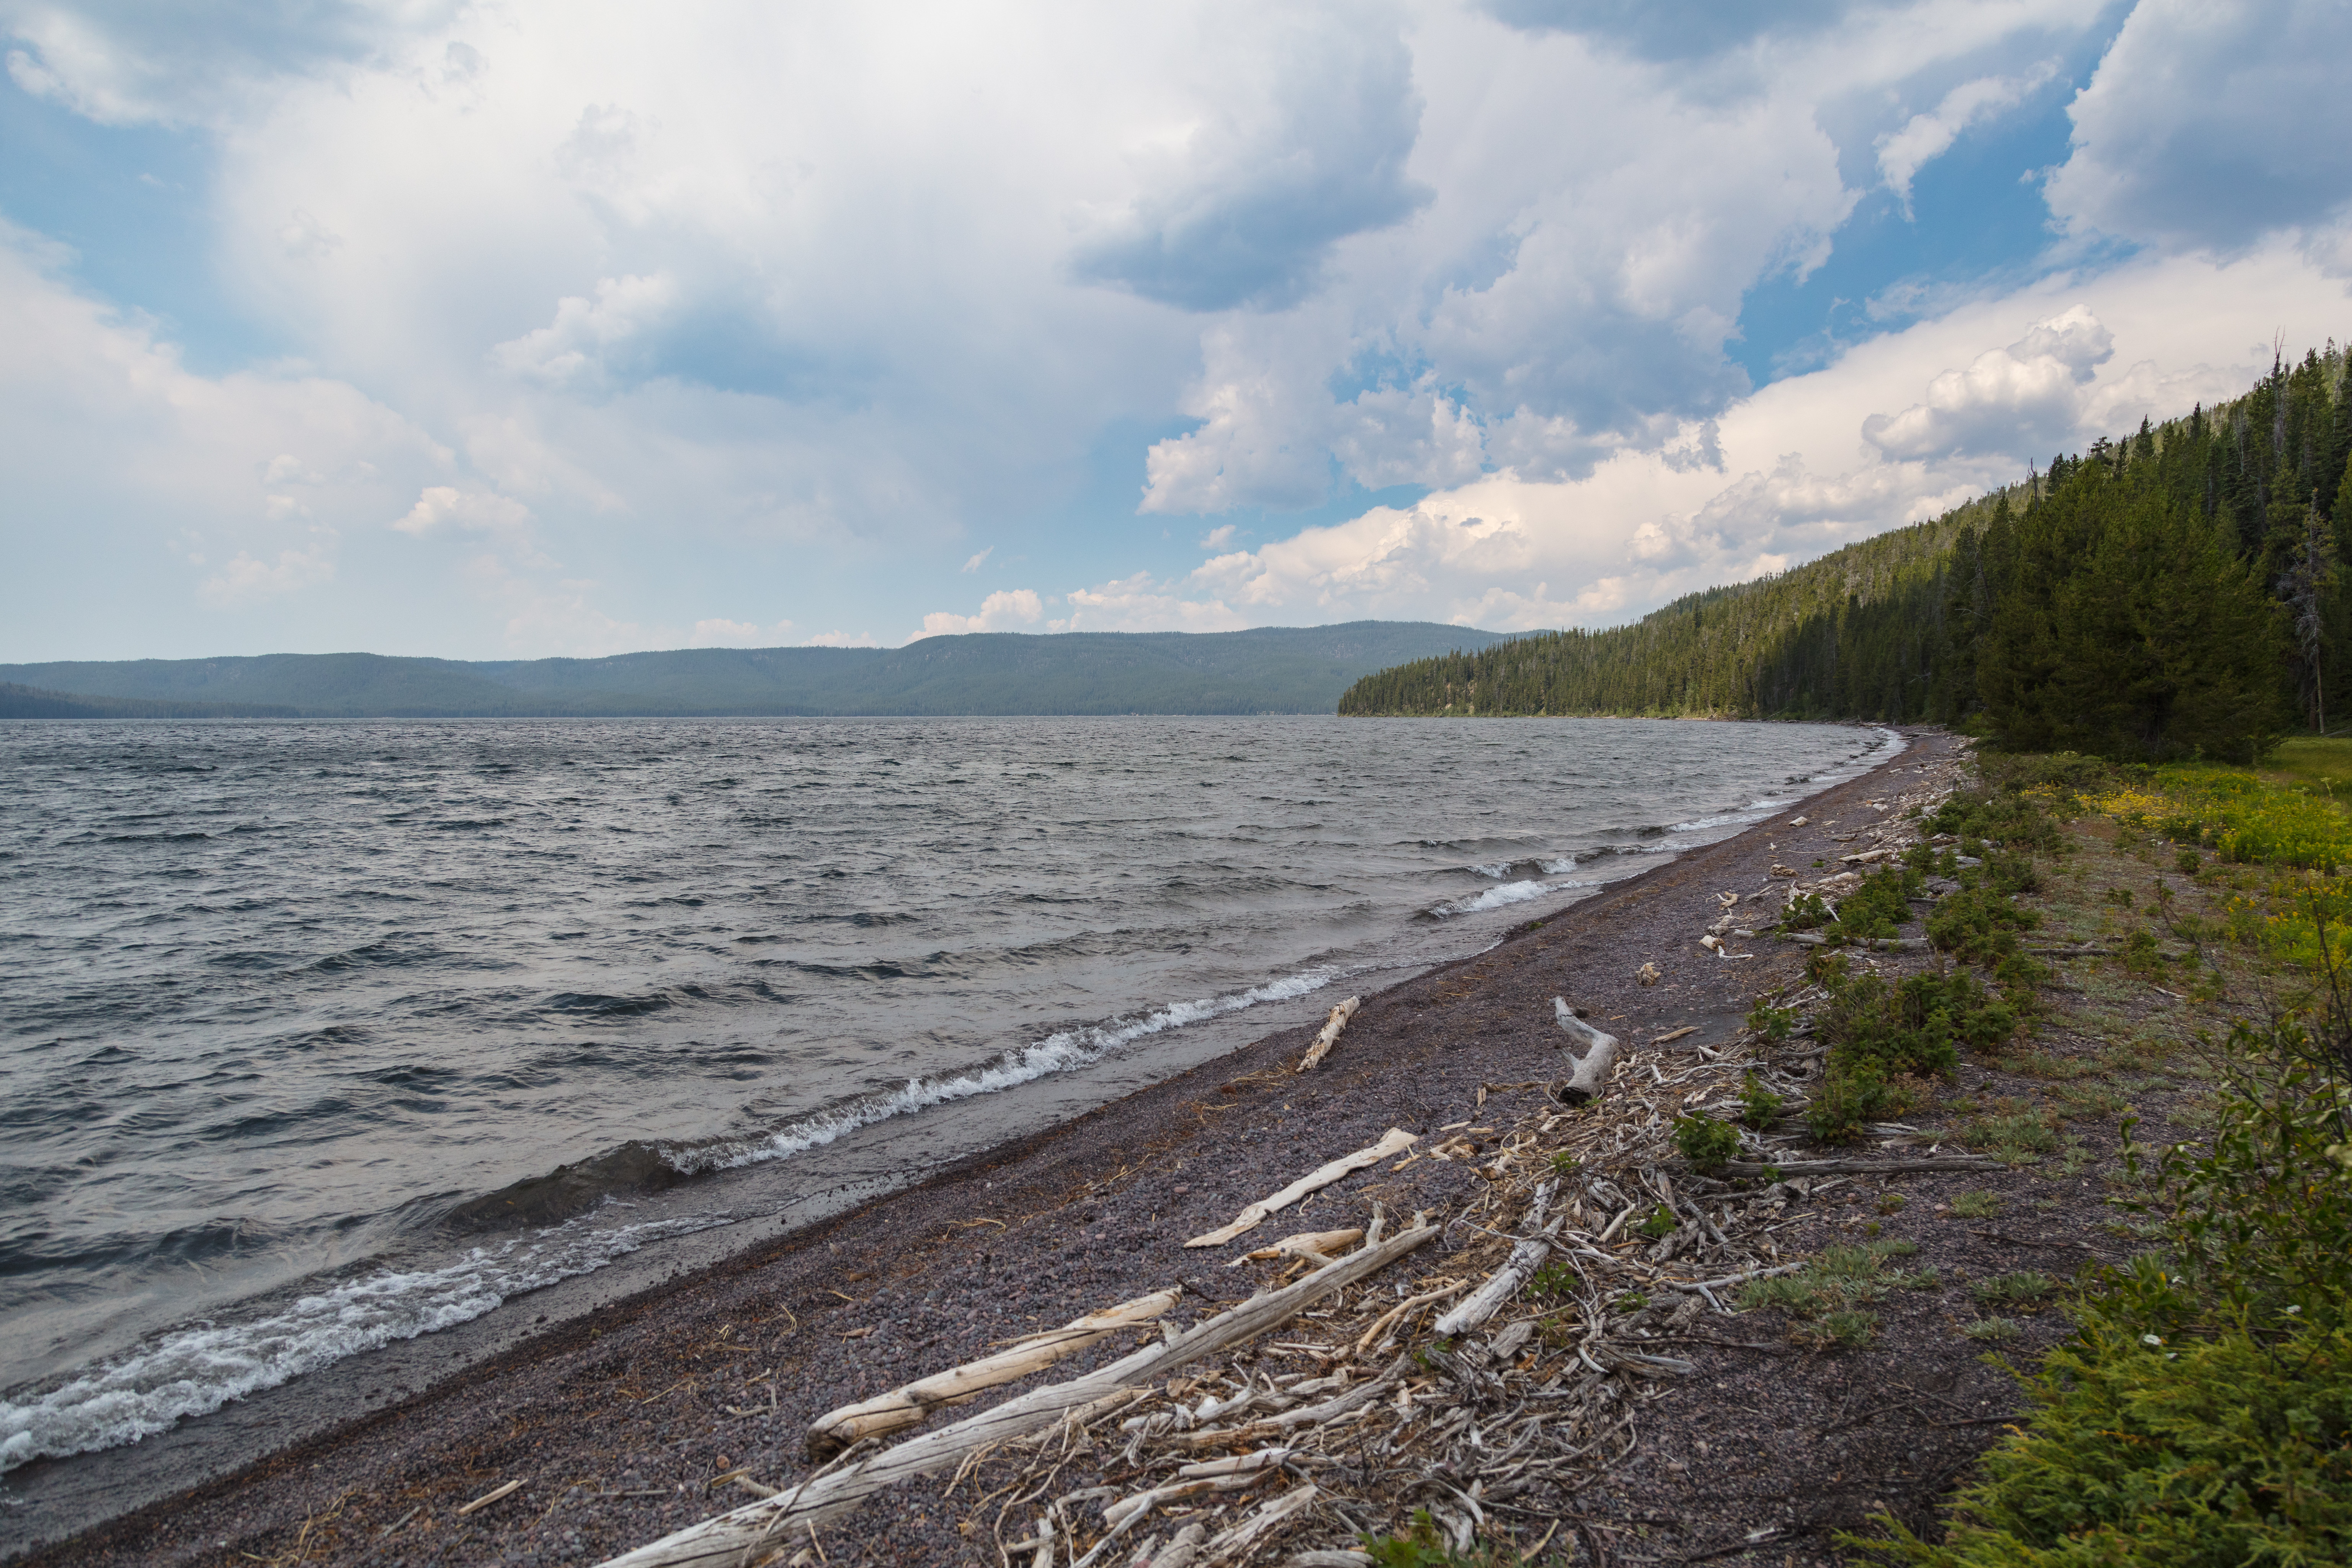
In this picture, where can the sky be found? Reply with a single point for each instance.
(520, 329)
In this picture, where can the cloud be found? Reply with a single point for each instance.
(977, 562)
(842, 639)
(2211, 123)
(1218, 538)
(445, 507)
(245, 580)
(1671, 29)
(2032, 391)
(1142, 604)
(1925, 137)
(722, 633)
(1003, 611)
(1306, 145)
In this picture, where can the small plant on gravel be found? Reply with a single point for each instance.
(1775, 1024)
(1421, 1545)
(1566, 1164)
(1826, 968)
(1891, 1203)
(1757, 1104)
(1977, 1204)
(1849, 1328)
(1661, 1222)
(1807, 911)
(1555, 1279)
(1992, 1330)
(2122, 896)
(1630, 1303)
(1706, 1143)
(2188, 863)
(2013, 1136)
(2141, 956)
(2021, 1287)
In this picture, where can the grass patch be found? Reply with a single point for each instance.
(2014, 1135)
(2020, 1287)
(1992, 1330)
(1827, 1296)
(1977, 1205)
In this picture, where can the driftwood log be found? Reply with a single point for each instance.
(1508, 1280)
(1330, 1035)
(1591, 1074)
(1786, 1168)
(741, 1535)
(836, 1429)
(1396, 1142)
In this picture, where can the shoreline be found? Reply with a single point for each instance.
(859, 1238)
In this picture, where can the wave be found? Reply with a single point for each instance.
(1497, 897)
(195, 1369)
(1058, 1052)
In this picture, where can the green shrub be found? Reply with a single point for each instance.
(1880, 1036)
(1775, 1024)
(1826, 968)
(1706, 1143)
(1881, 903)
(1759, 1105)
(1979, 925)
(1661, 1222)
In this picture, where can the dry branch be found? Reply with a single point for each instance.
(1330, 1035)
(1396, 1141)
(831, 1433)
(1525, 1259)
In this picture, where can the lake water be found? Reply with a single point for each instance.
(317, 1036)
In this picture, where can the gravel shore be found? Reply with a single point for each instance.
(618, 1424)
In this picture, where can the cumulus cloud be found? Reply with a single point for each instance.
(2031, 391)
(1309, 144)
(2211, 123)
(1143, 604)
(441, 506)
(977, 562)
(1671, 29)
(1007, 609)
(842, 639)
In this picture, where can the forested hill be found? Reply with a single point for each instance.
(2116, 603)
(1270, 669)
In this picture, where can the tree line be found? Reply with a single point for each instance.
(2173, 592)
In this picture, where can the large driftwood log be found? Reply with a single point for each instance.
(1396, 1142)
(740, 1535)
(1591, 1074)
(836, 1429)
(1330, 1035)
(1525, 1259)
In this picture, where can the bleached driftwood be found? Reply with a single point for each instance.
(1330, 1035)
(1591, 1074)
(739, 1536)
(1508, 1280)
(1396, 1142)
(836, 1429)
(1877, 943)
(1315, 1246)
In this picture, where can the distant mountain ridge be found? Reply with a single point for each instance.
(1268, 669)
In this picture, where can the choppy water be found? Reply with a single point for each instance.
(288, 1010)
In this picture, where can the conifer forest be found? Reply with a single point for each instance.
(2173, 591)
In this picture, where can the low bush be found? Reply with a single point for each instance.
(1979, 925)
(1706, 1143)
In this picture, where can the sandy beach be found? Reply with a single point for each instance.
(653, 1411)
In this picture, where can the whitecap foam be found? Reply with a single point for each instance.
(1497, 869)
(195, 1369)
(1559, 868)
(1056, 1052)
(1497, 897)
